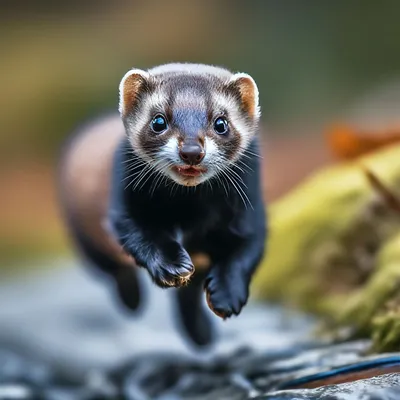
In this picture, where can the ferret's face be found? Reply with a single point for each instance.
(189, 127)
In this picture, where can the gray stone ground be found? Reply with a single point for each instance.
(70, 316)
(64, 337)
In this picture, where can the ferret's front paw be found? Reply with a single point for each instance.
(172, 275)
(225, 298)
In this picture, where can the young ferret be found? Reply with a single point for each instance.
(174, 179)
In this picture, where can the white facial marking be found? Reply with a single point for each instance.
(211, 149)
(170, 150)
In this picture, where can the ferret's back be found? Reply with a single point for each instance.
(84, 182)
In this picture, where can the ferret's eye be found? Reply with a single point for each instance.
(221, 126)
(159, 124)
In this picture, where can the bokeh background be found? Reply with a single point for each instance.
(316, 63)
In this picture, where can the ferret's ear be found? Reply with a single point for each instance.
(133, 82)
(247, 89)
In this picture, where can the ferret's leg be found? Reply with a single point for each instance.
(193, 314)
(235, 256)
(123, 273)
(156, 249)
(128, 287)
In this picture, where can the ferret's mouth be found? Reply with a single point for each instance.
(189, 170)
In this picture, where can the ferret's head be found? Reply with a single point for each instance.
(189, 121)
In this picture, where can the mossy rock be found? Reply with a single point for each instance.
(334, 247)
(375, 307)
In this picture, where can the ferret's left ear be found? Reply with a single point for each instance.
(245, 85)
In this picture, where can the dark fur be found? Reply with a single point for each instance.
(211, 221)
(160, 223)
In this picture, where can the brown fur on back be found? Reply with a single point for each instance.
(85, 175)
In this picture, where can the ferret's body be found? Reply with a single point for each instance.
(84, 193)
(154, 197)
(85, 182)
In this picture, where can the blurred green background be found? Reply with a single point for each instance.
(61, 62)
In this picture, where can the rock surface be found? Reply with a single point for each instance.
(63, 337)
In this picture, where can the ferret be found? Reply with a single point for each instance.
(174, 176)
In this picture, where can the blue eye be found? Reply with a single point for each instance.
(159, 124)
(221, 126)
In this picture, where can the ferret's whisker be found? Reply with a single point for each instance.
(244, 165)
(133, 175)
(238, 188)
(154, 168)
(210, 185)
(244, 192)
(145, 172)
(136, 166)
(134, 163)
(251, 153)
(158, 181)
(222, 183)
(237, 175)
(239, 168)
(158, 177)
(130, 176)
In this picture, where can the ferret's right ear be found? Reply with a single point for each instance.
(133, 82)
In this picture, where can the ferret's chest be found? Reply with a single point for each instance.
(191, 214)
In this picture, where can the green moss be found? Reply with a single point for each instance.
(313, 215)
(334, 249)
(374, 308)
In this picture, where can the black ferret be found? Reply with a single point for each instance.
(173, 183)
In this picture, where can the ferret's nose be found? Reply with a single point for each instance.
(192, 154)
